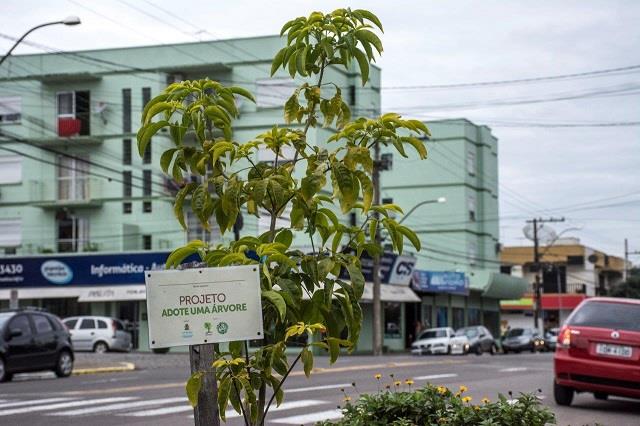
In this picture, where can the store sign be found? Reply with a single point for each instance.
(440, 282)
(79, 270)
(206, 305)
(394, 269)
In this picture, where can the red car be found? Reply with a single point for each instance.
(598, 350)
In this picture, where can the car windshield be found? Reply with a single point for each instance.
(516, 332)
(469, 332)
(431, 334)
(4, 317)
(619, 316)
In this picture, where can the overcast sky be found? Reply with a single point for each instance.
(543, 170)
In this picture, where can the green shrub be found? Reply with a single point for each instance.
(438, 405)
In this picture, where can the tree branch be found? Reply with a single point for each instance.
(275, 391)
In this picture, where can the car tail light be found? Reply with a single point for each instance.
(564, 338)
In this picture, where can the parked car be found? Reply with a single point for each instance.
(479, 339)
(598, 350)
(436, 341)
(98, 334)
(550, 339)
(33, 340)
(522, 339)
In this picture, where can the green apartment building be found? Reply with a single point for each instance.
(72, 182)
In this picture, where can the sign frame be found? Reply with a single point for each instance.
(204, 305)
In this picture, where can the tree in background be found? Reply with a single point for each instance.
(302, 293)
(629, 288)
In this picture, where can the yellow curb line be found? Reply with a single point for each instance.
(125, 366)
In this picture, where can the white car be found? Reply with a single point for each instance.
(98, 334)
(439, 341)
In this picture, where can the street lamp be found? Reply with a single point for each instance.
(69, 20)
(422, 203)
(377, 303)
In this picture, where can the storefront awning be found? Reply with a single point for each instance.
(112, 294)
(496, 285)
(390, 293)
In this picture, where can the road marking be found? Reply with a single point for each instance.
(62, 405)
(120, 406)
(435, 376)
(379, 366)
(229, 413)
(313, 388)
(513, 369)
(33, 402)
(309, 418)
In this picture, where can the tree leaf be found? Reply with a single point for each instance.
(276, 300)
(370, 37)
(284, 237)
(179, 202)
(363, 63)
(357, 280)
(412, 236)
(367, 190)
(243, 92)
(146, 133)
(370, 16)
(307, 361)
(418, 145)
(223, 396)
(165, 159)
(193, 388)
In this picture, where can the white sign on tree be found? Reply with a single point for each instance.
(206, 305)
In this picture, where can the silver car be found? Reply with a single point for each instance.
(98, 334)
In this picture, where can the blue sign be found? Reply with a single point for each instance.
(80, 270)
(440, 282)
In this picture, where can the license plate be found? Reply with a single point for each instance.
(614, 350)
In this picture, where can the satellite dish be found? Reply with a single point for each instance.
(546, 235)
(593, 258)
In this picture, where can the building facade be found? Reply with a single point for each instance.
(569, 273)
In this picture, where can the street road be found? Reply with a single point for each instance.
(154, 394)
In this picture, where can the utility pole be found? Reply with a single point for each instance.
(377, 305)
(625, 271)
(537, 294)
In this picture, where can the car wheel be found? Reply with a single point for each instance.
(505, 350)
(449, 350)
(493, 350)
(4, 376)
(64, 366)
(601, 396)
(562, 394)
(478, 350)
(100, 347)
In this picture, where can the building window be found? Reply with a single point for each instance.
(126, 152)
(74, 113)
(472, 252)
(146, 190)
(10, 169)
(471, 161)
(10, 109)
(146, 158)
(273, 92)
(10, 232)
(474, 316)
(442, 316)
(146, 96)
(73, 178)
(126, 110)
(471, 206)
(458, 317)
(126, 191)
(73, 234)
(392, 320)
(146, 242)
(126, 184)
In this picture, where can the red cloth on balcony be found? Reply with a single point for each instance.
(68, 127)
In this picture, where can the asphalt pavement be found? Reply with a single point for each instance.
(154, 392)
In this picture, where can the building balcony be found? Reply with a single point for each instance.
(78, 193)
